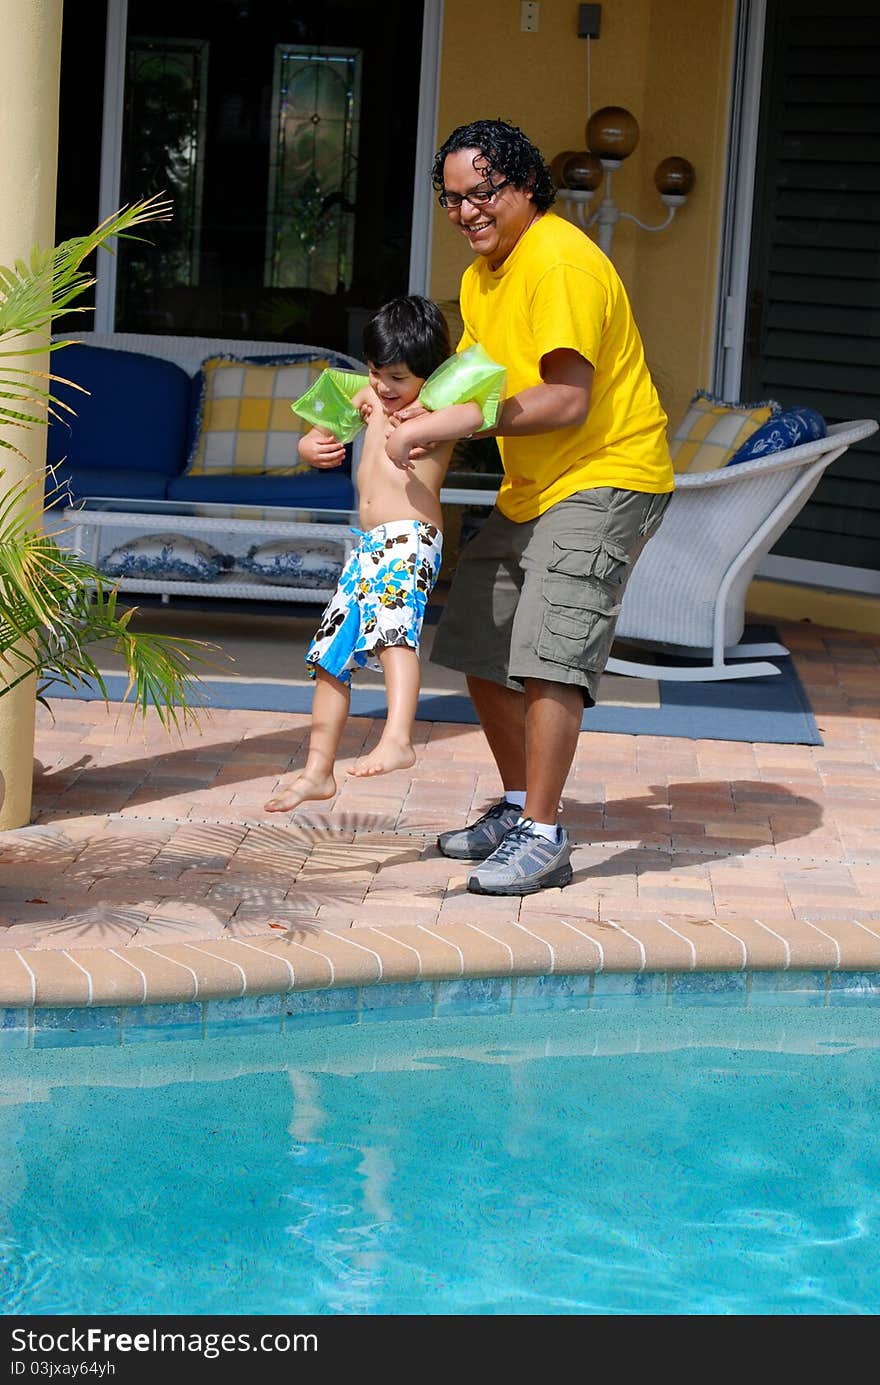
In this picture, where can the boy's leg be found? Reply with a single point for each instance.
(400, 664)
(329, 715)
(404, 576)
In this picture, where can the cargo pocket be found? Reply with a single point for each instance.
(603, 560)
(577, 626)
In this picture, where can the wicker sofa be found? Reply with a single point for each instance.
(134, 433)
(129, 463)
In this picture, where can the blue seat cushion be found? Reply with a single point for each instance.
(317, 490)
(130, 484)
(134, 417)
(789, 428)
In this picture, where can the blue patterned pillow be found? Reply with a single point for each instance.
(316, 564)
(164, 557)
(787, 429)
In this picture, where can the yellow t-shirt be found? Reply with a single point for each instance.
(557, 289)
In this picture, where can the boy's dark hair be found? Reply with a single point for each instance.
(410, 330)
(506, 150)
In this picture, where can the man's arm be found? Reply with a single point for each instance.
(562, 400)
(426, 429)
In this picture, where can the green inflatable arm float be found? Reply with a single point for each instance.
(327, 403)
(470, 375)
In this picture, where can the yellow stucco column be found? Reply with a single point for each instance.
(30, 64)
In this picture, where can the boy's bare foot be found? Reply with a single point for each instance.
(388, 756)
(303, 787)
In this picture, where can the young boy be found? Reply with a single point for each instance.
(374, 618)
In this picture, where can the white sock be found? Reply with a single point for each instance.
(543, 829)
(517, 797)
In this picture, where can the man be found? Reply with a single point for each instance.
(587, 476)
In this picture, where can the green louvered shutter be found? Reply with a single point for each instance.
(813, 327)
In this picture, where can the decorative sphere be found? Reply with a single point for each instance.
(582, 170)
(557, 165)
(612, 132)
(674, 176)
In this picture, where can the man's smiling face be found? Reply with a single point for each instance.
(493, 228)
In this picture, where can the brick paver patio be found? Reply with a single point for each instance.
(151, 872)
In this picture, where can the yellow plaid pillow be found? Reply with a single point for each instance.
(246, 421)
(712, 430)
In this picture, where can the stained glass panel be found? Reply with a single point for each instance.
(313, 168)
(164, 152)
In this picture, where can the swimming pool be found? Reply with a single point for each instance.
(644, 1161)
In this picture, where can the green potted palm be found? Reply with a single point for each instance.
(55, 606)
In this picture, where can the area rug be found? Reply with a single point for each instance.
(773, 709)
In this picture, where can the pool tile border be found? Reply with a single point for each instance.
(337, 956)
(76, 1026)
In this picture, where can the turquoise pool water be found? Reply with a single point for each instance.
(700, 1162)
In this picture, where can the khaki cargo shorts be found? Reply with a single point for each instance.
(541, 599)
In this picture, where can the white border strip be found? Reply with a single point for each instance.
(31, 975)
(779, 938)
(833, 941)
(596, 945)
(426, 144)
(174, 963)
(343, 938)
(399, 943)
(202, 951)
(736, 939)
(538, 939)
(91, 990)
(264, 952)
(742, 145)
(687, 941)
(507, 948)
(111, 158)
(438, 937)
(141, 974)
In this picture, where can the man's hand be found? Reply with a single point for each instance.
(393, 422)
(399, 449)
(321, 449)
(414, 410)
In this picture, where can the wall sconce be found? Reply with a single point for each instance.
(612, 135)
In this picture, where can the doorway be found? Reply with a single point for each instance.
(288, 136)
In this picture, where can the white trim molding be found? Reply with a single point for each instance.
(736, 236)
(426, 144)
(111, 157)
(806, 572)
(111, 151)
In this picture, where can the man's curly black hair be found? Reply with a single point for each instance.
(506, 150)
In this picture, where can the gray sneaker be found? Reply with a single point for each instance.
(524, 863)
(478, 841)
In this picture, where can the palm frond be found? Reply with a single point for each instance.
(54, 606)
(32, 293)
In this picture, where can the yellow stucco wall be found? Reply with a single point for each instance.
(667, 61)
(30, 63)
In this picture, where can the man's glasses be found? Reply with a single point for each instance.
(478, 197)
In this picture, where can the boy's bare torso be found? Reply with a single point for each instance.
(385, 491)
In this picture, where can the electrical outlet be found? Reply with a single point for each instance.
(529, 12)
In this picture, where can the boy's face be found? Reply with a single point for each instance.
(395, 385)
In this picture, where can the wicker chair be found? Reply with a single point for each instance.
(687, 592)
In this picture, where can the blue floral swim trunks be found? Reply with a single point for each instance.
(380, 598)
